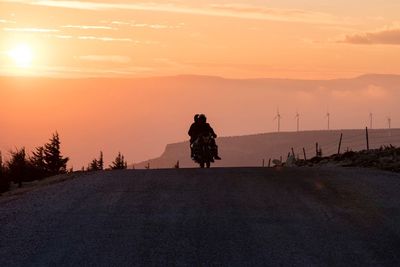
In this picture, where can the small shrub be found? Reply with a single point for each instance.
(119, 163)
(4, 181)
(18, 167)
(97, 164)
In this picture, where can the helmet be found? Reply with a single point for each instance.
(196, 117)
(202, 118)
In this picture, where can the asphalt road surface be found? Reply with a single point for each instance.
(209, 217)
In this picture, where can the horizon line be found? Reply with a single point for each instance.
(191, 75)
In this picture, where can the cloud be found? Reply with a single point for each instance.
(154, 26)
(144, 25)
(105, 58)
(61, 36)
(117, 22)
(102, 38)
(35, 30)
(105, 39)
(64, 36)
(88, 27)
(220, 10)
(275, 14)
(68, 72)
(7, 21)
(386, 36)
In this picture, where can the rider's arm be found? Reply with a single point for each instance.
(190, 132)
(212, 131)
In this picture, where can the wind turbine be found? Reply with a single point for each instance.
(389, 120)
(298, 120)
(370, 120)
(278, 118)
(328, 115)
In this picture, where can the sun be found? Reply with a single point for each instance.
(22, 55)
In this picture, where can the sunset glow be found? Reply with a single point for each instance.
(236, 39)
(21, 55)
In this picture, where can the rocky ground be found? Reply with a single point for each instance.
(385, 158)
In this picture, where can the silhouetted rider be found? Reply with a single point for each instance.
(193, 133)
(193, 130)
(201, 127)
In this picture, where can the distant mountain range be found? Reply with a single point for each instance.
(252, 150)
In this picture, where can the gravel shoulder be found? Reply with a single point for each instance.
(207, 217)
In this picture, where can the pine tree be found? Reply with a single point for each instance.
(55, 163)
(97, 164)
(38, 162)
(119, 163)
(100, 161)
(93, 166)
(18, 166)
(4, 182)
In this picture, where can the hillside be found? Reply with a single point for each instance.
(250, 150)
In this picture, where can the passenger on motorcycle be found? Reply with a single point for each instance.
(191, 132)
(201, 127)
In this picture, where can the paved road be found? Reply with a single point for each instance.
(215, 217)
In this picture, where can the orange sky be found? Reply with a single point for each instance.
(297, 39)
(240, 39)
(139, 117)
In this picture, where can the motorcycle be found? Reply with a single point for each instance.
(203, 150)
